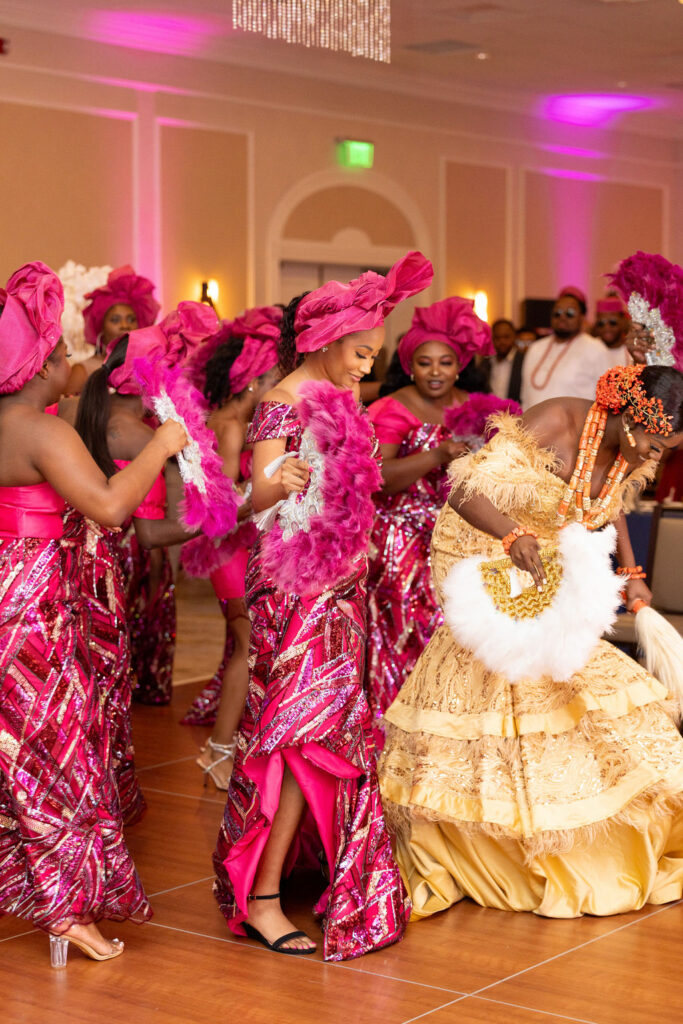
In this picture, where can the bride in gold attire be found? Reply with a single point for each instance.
(560, 798)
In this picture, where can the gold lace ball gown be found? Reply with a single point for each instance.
(559, 798)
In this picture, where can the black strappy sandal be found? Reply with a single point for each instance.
(276, 946)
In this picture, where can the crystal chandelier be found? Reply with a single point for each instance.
(361, 27)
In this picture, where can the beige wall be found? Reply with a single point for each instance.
(66, 187)
(204, 202)
(192, 168)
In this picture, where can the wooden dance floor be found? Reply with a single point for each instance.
(467, 966)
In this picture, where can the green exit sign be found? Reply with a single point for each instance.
(354, 153)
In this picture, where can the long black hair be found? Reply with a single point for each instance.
(289, 357)
(666, 383)
(217, 388)
(94, 409)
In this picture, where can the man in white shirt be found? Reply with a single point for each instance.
(569, 361)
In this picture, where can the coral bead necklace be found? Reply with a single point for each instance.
(578, 490)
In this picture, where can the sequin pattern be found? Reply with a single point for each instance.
(403, 610)
(151, 613)
(305, 694)
(63, 858)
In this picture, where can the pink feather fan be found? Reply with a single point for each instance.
(469, 419)
(210, 501)
(317, 558)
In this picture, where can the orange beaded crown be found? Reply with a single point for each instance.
(621, 388)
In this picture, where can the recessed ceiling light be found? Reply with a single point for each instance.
(482, 55)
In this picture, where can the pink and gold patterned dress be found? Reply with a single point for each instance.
(150, 606)
(63, 858)
(403, 611)
(306, 709)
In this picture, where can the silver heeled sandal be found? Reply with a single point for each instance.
(226, 750)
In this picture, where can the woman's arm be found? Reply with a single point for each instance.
(636, 590)
(399, 474)
(60, 456)
(483, 515)
(166, 531)
(291, 477)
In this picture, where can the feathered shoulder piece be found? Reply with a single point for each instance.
(510, 470)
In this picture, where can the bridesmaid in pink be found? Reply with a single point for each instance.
(421, 429)
(234, 370)
(304, 764)
(64, 864)
(111, 421)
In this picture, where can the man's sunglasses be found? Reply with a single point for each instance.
(609, 322)
(569, 313)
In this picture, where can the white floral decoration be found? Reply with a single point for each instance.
(77, 281)
(664, 337)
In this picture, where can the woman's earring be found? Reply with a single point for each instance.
(629, 436)
(250, 388)
(324, 348)
(412, 376)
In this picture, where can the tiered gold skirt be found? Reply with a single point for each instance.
(558, 798)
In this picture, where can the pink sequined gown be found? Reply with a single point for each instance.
(63, 858)
(402, 608)
(306, 709)
(227, 582)
(151, 615)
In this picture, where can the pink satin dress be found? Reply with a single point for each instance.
(63, 858)
(306, 709)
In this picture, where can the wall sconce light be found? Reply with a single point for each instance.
(210, 292)
(481, 305)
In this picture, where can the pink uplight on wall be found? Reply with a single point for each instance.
(563, 172)
(583, 154)
(156, 33)
(593, 109)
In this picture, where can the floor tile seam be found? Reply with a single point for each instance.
(184, 885)
(534, 1009)
(428, 1013)
(390, 977)
(322, 963)
(163, 764)
(20, 935)
(574, 949)
(183, 796)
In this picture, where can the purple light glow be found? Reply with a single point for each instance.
(155, 33)
(584, 154)
(593, 109)
(563, 172)
(114, 115)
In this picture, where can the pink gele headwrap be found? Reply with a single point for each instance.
(126, 287)
(261, 325)
(255, 359)
(611, 304)
(452, 322)
(335, 310)
(173, 340)
(30, 323)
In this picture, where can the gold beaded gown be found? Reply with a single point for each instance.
(558, 798)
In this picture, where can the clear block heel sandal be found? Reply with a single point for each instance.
(59, 949)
